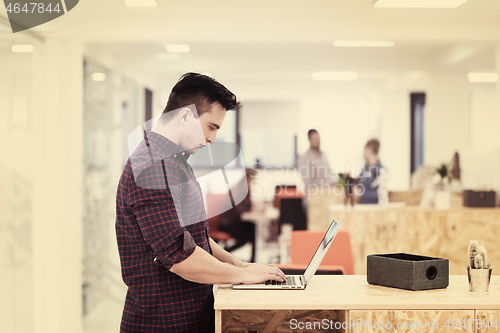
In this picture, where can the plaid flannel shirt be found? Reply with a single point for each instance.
(160, 217)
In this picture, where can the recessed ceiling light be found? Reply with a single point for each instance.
(418, 3)
(334, 76)
(178, 48)
(483, 77)
(23, 48)
(168, 56)
(98, 77)
(140, 3)
(363, 43)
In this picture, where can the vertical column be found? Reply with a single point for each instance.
(58, 189)
(497, 66)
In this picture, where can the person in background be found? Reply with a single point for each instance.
(232, 223)
(373, 177)
(314, 167)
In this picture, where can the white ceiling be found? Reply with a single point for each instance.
(276, 21)
(283, 42)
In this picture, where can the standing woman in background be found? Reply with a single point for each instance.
(373, 177)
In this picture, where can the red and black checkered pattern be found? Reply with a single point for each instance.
(158, 200)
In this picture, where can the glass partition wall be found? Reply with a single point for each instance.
(17, 102)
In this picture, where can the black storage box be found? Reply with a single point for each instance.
(407, 271)
(479, 198)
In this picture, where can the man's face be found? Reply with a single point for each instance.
(210, 122)
(314, 140)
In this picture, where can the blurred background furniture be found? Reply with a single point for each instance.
(285, 191)
(262, 220)
(305, 243)
(429, 232)
(292, 211)
(292, 269)
(214, 203)
(410, 198)
(228, 225)
(338, 259)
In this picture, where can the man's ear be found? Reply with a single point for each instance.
(184, 115)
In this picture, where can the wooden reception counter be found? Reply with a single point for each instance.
(430, 232)
(348, 304)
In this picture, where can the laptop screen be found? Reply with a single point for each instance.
(321, 251)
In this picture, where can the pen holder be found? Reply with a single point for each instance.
(479, 279)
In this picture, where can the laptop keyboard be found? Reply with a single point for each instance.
(290, 280)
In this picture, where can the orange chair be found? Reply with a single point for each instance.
(304, 243)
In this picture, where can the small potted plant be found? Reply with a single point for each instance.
(478, 271)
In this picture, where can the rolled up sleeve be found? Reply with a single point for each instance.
(160, 221)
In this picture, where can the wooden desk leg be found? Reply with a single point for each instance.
(218, 321)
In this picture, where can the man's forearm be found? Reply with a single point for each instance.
(224, 256)
(201, 267)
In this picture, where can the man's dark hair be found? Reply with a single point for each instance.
(311, 132)
(374, 145)
(202, 91)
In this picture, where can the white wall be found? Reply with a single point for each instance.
(485, 119)
(41, 112)
(481, 166)
(395, 140)
(447, 118)
(16, 189)
(58, 189)
(463, 117)
(267, 131)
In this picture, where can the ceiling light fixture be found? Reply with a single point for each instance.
(140, 3)
(418, 3)
(178, 48)
(22, 48)
(363, 43)
(334, 76)
(98, 77)
(483, 77)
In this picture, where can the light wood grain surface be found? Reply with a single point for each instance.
(350, 292)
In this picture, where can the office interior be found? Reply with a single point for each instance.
(423, 81)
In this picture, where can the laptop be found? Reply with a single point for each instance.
(300, 281)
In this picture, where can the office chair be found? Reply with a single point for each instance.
(291, 211)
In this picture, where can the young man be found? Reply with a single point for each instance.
(314, 167)
(168, 260)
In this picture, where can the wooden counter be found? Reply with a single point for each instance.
(349, 299)
(430, 232)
